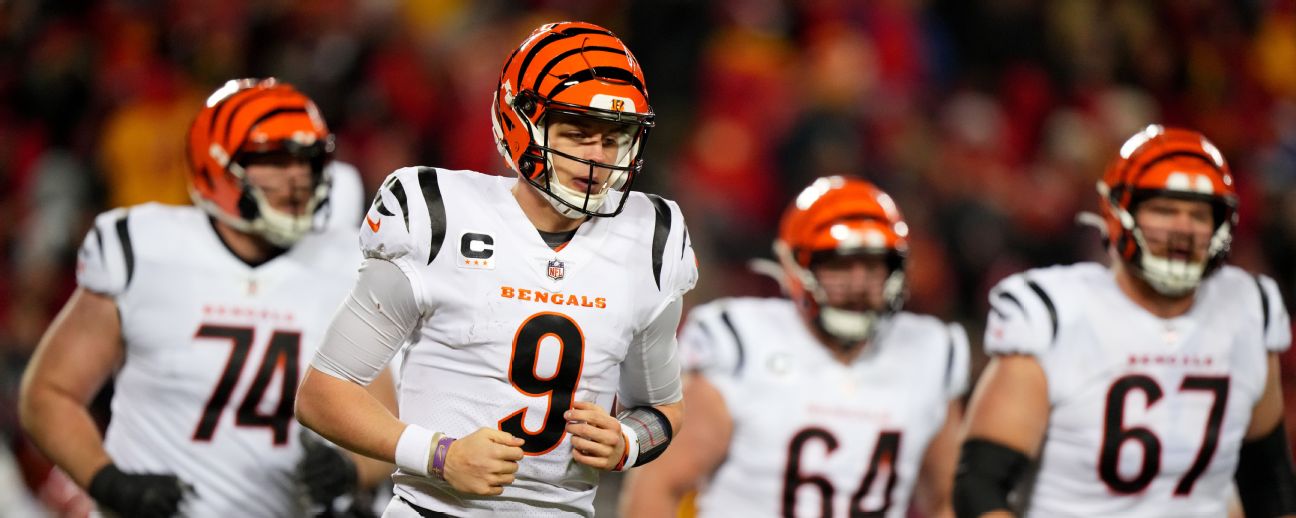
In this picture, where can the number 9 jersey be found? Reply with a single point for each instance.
(513, 331)
(1147, 414)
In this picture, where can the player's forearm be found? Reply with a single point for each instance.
(372, 471)
(674, 413)
(63, 430)
(348, 415)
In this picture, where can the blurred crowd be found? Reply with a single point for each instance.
(989, 121)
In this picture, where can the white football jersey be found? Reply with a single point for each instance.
(215, 349)
(1147, 414)
(513, 331)
(813, 436)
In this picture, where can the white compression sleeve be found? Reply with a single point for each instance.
(650, 374)
(371, 326)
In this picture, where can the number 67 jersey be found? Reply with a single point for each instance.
(513, 331)
(1147, 414)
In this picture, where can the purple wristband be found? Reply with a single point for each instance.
(439, 456)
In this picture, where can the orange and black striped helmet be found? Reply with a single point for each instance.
(839, 216)
(581, 70)
(245, 117)
(1174, 162)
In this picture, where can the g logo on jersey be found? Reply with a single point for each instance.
(476, 250)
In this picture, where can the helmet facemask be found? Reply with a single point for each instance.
(628, 130)
(839, 302)
(257, 214)
(1171, 276)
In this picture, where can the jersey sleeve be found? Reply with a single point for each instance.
(709, 343)
(1277, 324)
(674, 265)
(106, 260)
(957, 363)
(406, 224)
(1023, 318)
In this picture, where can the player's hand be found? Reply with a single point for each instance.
(325, 472)
(483, 462)
(146, 495)
(597, 440)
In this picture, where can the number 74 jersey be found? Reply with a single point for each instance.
(514, 332)
(1147, 414)
(214, 351)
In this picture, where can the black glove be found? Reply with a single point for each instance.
(145, 495)
(327, 472)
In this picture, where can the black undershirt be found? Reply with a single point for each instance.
(556, 239)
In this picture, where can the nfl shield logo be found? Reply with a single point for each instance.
(556, 270)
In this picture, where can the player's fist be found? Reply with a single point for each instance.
(324, 471)
(597, 440)
(483, 462)
(145, 495)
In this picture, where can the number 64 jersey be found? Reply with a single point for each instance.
(513, 331)
(813, 436)
(1147, 414)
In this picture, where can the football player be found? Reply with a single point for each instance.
(528, 307)
(206, 316)
(831, 403)
(1145, 388)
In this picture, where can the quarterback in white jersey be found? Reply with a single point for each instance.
(1140, 389)
(206, 317)
(525, 308)
(833, 403)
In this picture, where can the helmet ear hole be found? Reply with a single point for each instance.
(247, 206)
(525, 102)
(527, 165)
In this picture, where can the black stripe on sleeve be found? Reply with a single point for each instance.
(949, 356)
(398, 192)
(378, 199)
(436, 209)
(128, 253)
(1048, 303)
(1013, 299)
(660, 233)
(998, 313)
(1264, 302)
(738, 345)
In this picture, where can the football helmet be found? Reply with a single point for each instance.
(835, 217)
(580, 70)
(243, 118)
(1173, 162)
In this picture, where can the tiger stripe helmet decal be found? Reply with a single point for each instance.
(582, 70)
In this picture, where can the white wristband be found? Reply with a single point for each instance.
(414, 449)
(632, 447)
